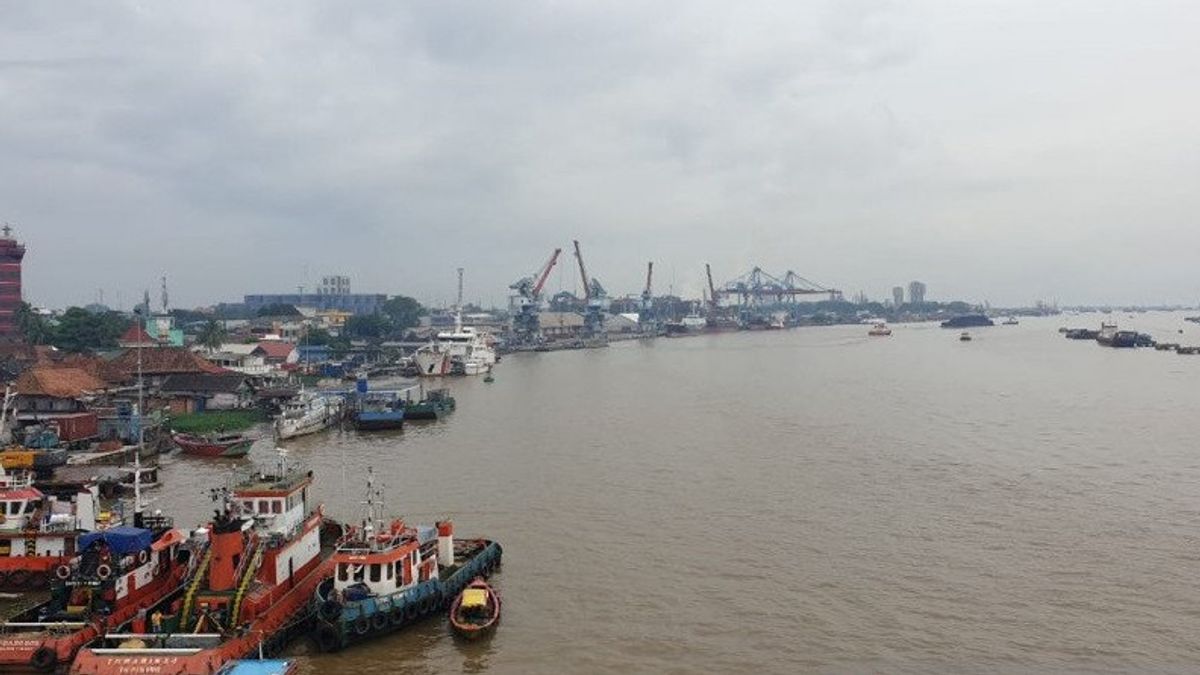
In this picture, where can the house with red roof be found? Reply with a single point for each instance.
(136, 337)
(278, 353)
(161, 362)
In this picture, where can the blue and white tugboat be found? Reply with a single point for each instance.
(389, 574)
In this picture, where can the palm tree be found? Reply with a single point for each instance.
(212, 335)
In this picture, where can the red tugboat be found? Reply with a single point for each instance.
(251, 594)
(38, 532)
(116, 575)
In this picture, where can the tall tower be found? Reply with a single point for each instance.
(897, 295)
(11, 254)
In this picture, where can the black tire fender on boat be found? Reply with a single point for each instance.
(44, 659)
(379, 621)
(362, 625)
(330, 610)
(63, 572)
(396, 615)
(327, 638)
(411, 611)
(103, 571)
(19, 578)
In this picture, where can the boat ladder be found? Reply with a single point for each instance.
(247, 579)
(201, 573)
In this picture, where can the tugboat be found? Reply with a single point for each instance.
(308, 413)
(390, 575)
(475, 611)
(880, 330)
(215, 445)
(39, 532)
(436, 403)
(251, 594)
(117, 574)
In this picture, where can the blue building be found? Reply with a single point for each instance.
(355, 303)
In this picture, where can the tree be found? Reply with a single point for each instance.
(79, 330)
(403, 311)
(212, 335)
(317, 337)
(367, 327)
(279, 309)
(32, 325)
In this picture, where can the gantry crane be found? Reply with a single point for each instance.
(526, 326)
(595, 295)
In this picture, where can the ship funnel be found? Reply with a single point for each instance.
(445, 530)
(228, 547)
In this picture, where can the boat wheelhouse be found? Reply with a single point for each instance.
(307, 413)
(252, 590)
(389, 574)
(38, 531)
(463, 351)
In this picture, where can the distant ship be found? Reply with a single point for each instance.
(308, 413)
(463, 351)
(688, 325)
(880, 330)
(968, 321)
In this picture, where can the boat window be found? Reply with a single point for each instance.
(14, 508)
(343, 573)
(248, 507)
(276, 506)
(30, 506)
(359, 572)
(263, 507)
(399, 575)
(376, 573)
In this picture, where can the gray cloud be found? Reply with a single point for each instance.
(1000, 151)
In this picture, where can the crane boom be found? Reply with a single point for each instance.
(545, 273)
(712, 289)
(649, 276)
(587, 287)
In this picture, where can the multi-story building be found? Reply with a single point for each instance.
(11, 254)
(334, 285)
(916, 292)
(897, 295)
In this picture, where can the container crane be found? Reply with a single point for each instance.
(595, 295)
(526, 326)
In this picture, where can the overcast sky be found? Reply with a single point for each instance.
(1006, 151)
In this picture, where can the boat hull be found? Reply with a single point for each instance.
(367, 421)
(204, 448)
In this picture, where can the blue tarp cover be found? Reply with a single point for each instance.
(266, 667)
(122, 539)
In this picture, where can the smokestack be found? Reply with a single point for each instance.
(445, 530)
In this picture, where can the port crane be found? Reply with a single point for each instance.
(757, 293)
(526, 325)
(647, 320)
(594, 295)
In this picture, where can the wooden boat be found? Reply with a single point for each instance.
(475, 611)
(251, 593)
(214, 445)
(390, 575)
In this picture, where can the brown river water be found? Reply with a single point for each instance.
(811, 500)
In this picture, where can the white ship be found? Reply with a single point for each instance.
(308, 413)
(463, 351)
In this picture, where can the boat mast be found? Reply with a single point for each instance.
(141, 442)
(458, 305)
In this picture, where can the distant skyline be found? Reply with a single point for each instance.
(1005, 152)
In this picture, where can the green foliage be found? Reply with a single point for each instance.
(79, 330)
(218, 420)
(279, 309)
(317, 337)
(33, 326)
(212, 335)
(367, 327)
(403, 311)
